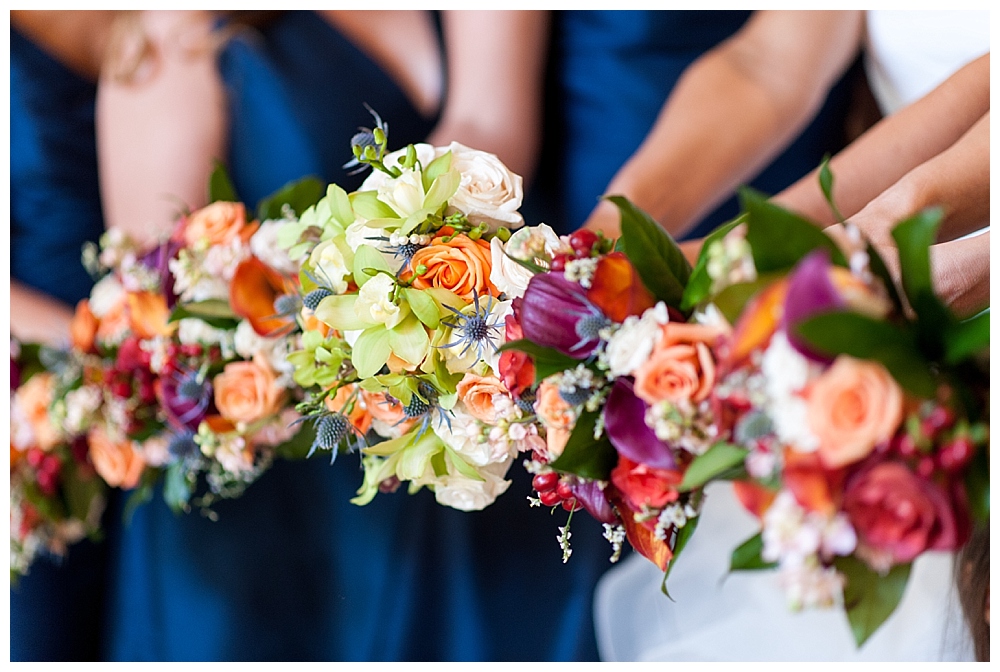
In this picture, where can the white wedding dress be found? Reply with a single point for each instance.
(715, 616)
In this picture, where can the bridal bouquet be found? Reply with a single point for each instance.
(181, 353)
(622, 374)
(56, 498)
(404, 287)
(861, 420)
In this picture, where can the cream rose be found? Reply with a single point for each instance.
(536, 242)
(854, 405)
(488, 192)
(467, 494)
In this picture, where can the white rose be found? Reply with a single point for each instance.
(462, 433)
(425, 154)
(489, 192)
(528, 243)
(631, 345)
(331, 265)
(107, 294)
(191, 331)
(467, 494)
(373, 302)
(264, 246)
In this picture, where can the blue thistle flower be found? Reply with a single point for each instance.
(479, 330)
(313, 298)
(364, 138)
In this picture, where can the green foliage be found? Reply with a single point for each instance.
(178, 486)
(141, 494)
(746, 556)
(220, 187)
(977, 486)
(584, 455)
(699, 284)
(213, 312)
(714, 463)
(297, 447)
(826, 185)
(869, 598)
(863, 337)
(684, 535)
(656, 257)
(298, 195)
(966, 339)
(779, 238)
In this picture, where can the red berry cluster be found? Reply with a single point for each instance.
(47, 467)
(553, 490)
(585, 244)
(930, 443)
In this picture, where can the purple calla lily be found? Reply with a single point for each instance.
(556, 314)
(186, 398)
(158, 259)
(590, 495)
(625, 424)
(810, 292)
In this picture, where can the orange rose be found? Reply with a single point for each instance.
(359, 415)
(247, 391)
(114, 324)
(218, 223)
(33, 399)
(83, 328)
(681, 366)
(386, 410)
(854, 405)
(462, 265)
(477, 393)
(556, 415)
(117, 462)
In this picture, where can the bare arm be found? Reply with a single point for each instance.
(158, 135)
(897, 144)
(495, 74)
(37, 317)
(732, 111)
(962, 273)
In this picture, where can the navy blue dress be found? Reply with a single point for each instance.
(292, 570)
(611, 72)
(55, 611)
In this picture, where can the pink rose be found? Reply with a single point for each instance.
(852, 406)
(898, 514)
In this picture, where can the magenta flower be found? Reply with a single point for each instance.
(625, 424)
(556, 314)
(810, 292)
(185, 397)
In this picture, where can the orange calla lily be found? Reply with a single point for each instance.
(83, 328)
(808, 481)
(754, 497)
(148, 315)
(759, 322)
(617, 289)
(642, 538)
(218, 424)
(252, 292)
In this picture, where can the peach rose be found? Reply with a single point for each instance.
(359, 415)
(462, 265)
(117, 462)
(218, 223)
(386, 410)
(83, 328)
(854, 405)
(556, 415)
(115, 323)
(477, 393)
(681, 366)
(247, 391)
(33, 399)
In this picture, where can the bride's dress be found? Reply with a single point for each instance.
(743, 616)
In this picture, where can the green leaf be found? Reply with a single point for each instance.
(826, 185)
(914, 237)
(977, 486)
(298, 195)
(367, 256)
(699, 284)
(584, 455)
(547, 361)
(965, 339)
(524, 263)
(367, 206)
(733, 299)
(684, 535)
(869, 599)
(423, 306)
(746, 556)
(462, 466)
(177, 487)
(213, 312)
(779, 238)
(371, 351)
(863, 337)
(80, 491)
(220, 187)
(717, 460)
(656, 257)
(879, 269)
